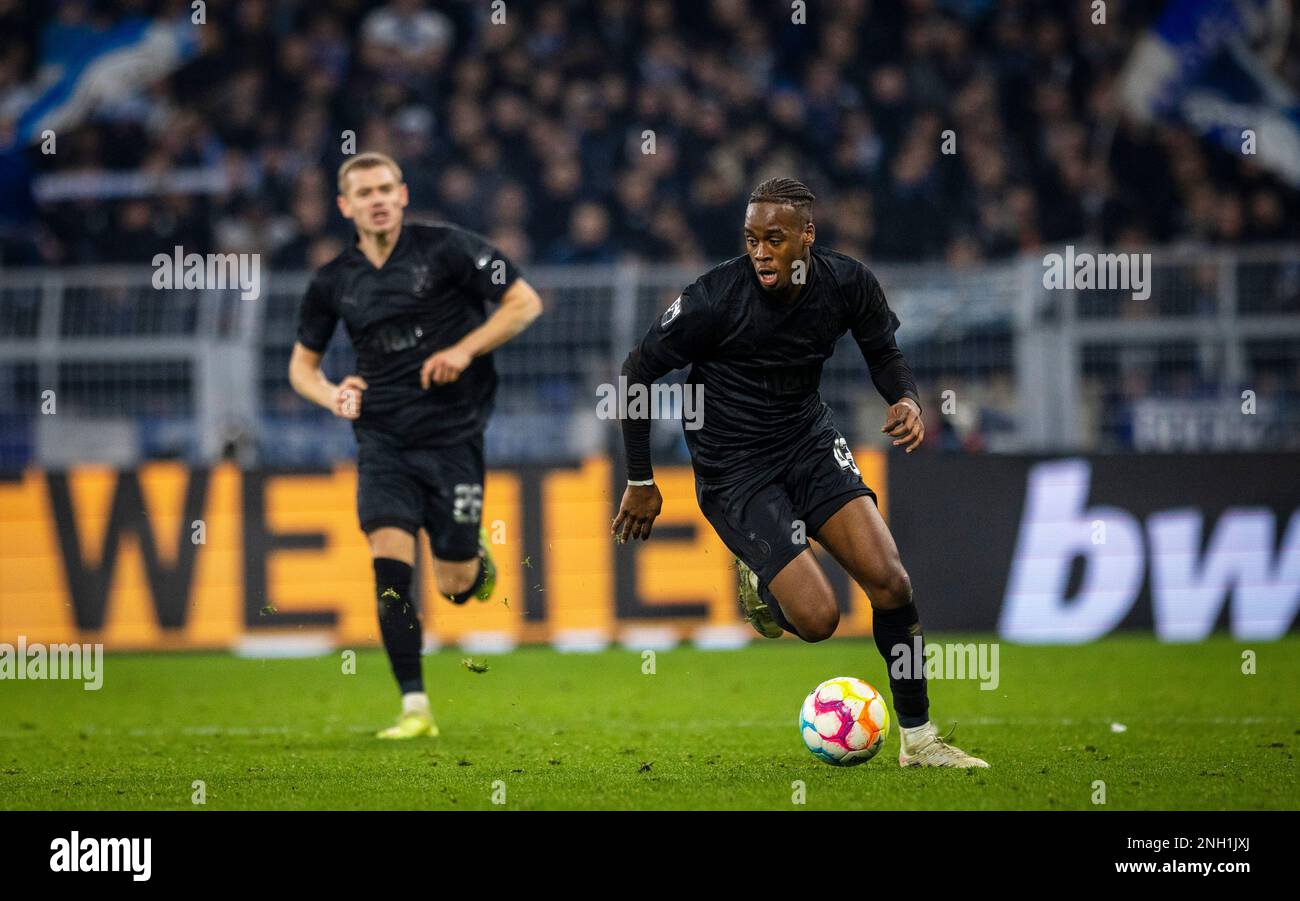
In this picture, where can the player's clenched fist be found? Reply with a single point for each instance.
(636, 515)
(444, 366)
(347, 397)
(904, 423)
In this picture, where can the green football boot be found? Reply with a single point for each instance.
(752, 605)
(489, 566)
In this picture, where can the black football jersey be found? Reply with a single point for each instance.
(433, 289)
(759, 359)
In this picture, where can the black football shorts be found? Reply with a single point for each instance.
(767, 520)
(437, 488)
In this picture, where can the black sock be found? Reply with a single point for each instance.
(399, 622)
(473, 589)
(777, 613)
(892, 629)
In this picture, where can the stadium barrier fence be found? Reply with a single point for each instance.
(97, 365)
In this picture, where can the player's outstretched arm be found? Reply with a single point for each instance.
(306, 377)
(893, 379)
(520, 305)
(678, 338)
(642, 501)
(873, 327)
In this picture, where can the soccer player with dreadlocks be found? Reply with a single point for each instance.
(770, 467)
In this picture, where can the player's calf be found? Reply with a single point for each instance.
(810, 615)
(806, 599)
(455, 579)
(476, 578)
(816, 622)
(399, 622)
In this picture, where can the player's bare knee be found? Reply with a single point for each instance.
(894, 591)
(392, 543)
(454, 582)
(819, 622)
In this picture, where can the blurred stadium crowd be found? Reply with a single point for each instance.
(534, 131)
(599, 131)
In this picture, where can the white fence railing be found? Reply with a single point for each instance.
(1006, 364)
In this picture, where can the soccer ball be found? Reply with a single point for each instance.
(844, 721)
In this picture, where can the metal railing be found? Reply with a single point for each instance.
(95, 364)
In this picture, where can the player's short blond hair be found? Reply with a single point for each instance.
(369, 160)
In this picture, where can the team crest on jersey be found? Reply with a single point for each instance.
(421, 279)
(673, 311)
(760, 548)
(844, 457)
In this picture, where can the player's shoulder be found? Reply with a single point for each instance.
(846, 271)
(442, 236)
(447, 242)
(705, 298)
(327, 276)
(426, 230)
(723, 279)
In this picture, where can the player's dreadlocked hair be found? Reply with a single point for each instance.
(785, 191)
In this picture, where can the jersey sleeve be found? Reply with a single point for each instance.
(870, 319)
(678, 338)
(485, 270)
(873, 325)
(317, 317)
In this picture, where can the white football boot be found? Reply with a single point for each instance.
(923, 746)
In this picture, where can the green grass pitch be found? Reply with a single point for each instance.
(707, 730)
